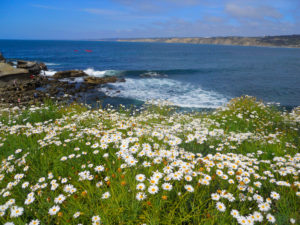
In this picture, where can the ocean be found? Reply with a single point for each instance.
(188, 75)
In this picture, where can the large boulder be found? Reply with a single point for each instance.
(43, 66)
(2, 59)
(69, 74)
(33, 67)
(8, 73)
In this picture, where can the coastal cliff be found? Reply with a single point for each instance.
(292, 41)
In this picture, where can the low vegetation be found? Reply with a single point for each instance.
(68, 164)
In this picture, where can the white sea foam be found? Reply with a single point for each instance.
(52, 64)
(101, 73)
(180, 94)
(153, 74)
(49, 72)
(90, 72)
(76, 80)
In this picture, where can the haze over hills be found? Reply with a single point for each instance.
(292, 41)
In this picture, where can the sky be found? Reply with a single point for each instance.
(99, 19)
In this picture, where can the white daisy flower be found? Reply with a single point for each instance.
(16, 211)
(105, 195)
(153, 189)
(96, 219)
(270, 218)
(221, 207)
(34, 222)
(140, 177)
(167, 186)
(189, 188)
(76, 215)
(140, 196)
(59, 199)
(53, 210)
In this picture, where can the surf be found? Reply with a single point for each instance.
(177, 93)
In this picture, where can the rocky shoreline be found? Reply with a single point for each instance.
(24, 83)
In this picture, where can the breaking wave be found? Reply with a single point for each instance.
(131, 73)
(101, 73)
(49, 72)
(52, 64)
(178, 93)
(156, 87)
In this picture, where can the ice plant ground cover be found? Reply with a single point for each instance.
(74, 165)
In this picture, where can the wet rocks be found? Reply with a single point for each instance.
(101, 80)
(22, 91)
(8, 74)
(25, 85)
(34, 68)
(2, 59)
(69, 74)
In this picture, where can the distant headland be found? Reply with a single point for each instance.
(291, 41)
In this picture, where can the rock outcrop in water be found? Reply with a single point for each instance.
(23, 91)
(69, 74)
(2, 59)
(8, 73)
(101, 80)
(25, 85)
(33, 68)
(24, 70)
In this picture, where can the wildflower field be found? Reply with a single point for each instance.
(69, 164)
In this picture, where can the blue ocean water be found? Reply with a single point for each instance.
(200, 76)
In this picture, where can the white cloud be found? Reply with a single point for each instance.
(252, 12)
(45, 7)
(104, 12)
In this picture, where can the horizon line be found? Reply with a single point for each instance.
(120, 38)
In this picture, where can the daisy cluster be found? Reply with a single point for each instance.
(240, 163)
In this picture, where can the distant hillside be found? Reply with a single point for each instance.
(292, 41)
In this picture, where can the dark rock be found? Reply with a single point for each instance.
(121, 80)
(2, 59)
(10, 63)
(101, 80)
(33, 67)
(69, 74)
(19, 86)
(43, 66)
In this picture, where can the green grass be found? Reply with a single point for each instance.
(243, 140)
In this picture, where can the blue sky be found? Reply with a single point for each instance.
(96, 19)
